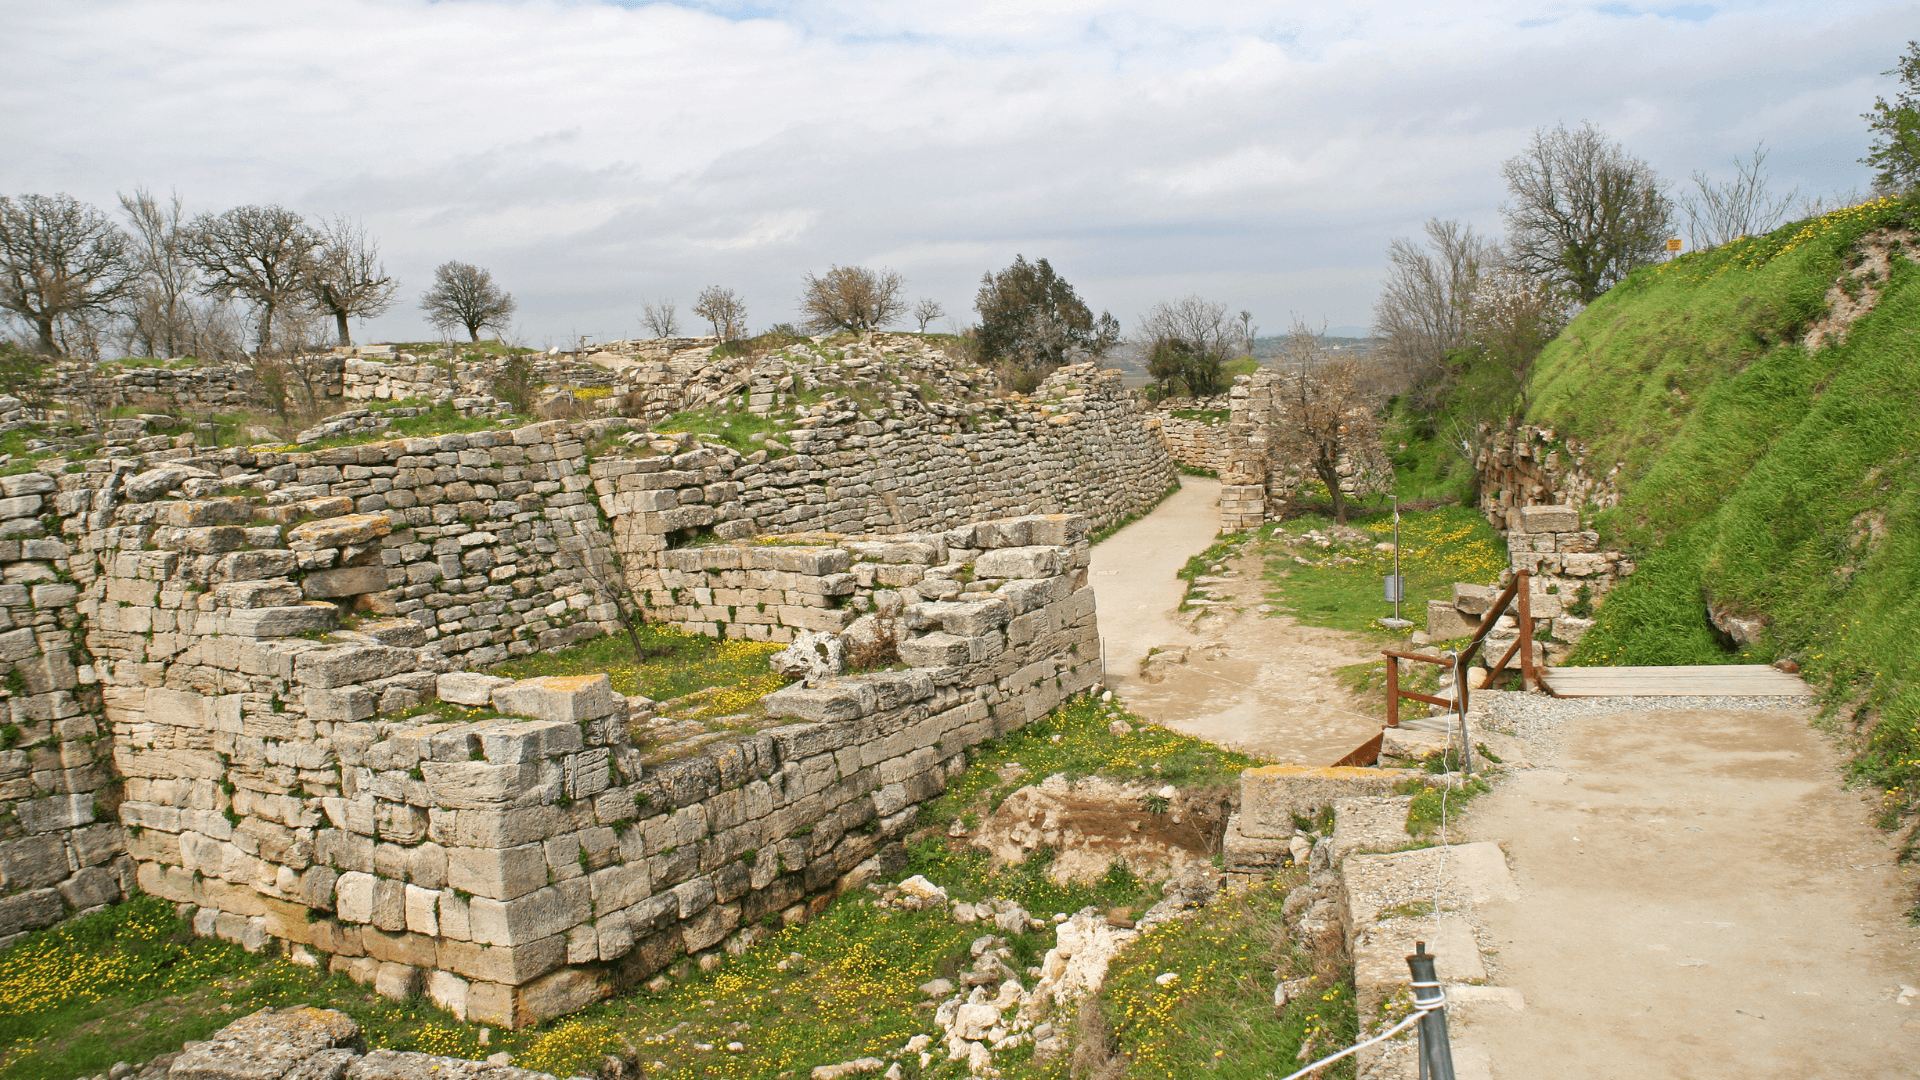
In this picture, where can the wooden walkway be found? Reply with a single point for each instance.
(1708, 680)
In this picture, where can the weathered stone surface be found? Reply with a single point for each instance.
(1370, 823)
(562, 698)
(338, 531)
(1549, 519)
(1445, 622)
(407, 1065)
(348, 581)
(468, 688)
(268, 1045)
(1271, 796)
(343, 665)
(279, 622)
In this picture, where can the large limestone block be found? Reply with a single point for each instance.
(340, 531)
(1446, 622)
(1272, 795)
(1021, 562)
(507, 743)
(1473, 599)
(468, 687)
(346, 581)
(271, 1044)
(563, 698)
(345, 665)
(523, 920)
(1549, 519)
(483, 785)
(497, 873)
(279, 622)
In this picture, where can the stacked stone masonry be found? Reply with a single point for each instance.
(189, 713)
(1198, 442)
(1258, 479)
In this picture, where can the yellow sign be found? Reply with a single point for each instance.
(1673, 244)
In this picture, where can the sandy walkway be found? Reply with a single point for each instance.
(1265, 688)
(1700, 900)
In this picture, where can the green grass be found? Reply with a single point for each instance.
(732, 426)
(677, 664)
(1780, 481)
(1086, 748)
(1217, 1018)
(1437, 548)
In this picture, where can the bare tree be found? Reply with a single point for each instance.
(725, 310)
(1247, 331)
(259, 253)
(1421, 311)
(1742, 206)
(346, 278)
(465, 296)
(162, 315)
(660, 317)
(1325, 419)
(59, 259)
(852, 298)
(1583, 213)
(1188, 341)
(927, 309)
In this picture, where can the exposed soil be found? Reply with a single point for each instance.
(1700, 898)
(1254, 682)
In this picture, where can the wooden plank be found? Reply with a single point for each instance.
(1699, 680)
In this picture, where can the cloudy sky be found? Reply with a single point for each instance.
(594, 153)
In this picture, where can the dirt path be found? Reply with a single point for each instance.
(1265, 686)
(1700, 899)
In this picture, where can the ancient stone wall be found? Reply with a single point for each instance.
(61, 850)
(1257, 479)
(520, 867)
(1196, 442)
(263, 637)
(1522, 465)
(1076, 446)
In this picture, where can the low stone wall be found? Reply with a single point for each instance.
(1196, 442)
(520, 867)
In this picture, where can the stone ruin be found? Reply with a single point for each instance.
(222, 667)
(1257, 481)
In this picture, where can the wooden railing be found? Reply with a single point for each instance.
(1518, 594)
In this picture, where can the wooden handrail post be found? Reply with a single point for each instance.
(1524, 597)
(1393, 691)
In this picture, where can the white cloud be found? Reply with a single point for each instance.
(592, 153)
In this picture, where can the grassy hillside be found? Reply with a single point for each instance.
(1772, 478)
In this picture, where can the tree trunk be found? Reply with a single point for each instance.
(43, 326)
(1324, 466)
(266, 327)
(474, 333)
(340, 320)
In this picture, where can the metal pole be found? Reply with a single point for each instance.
(1396, 551)
(1436, 1053)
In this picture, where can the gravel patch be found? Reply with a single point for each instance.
(1535, 718)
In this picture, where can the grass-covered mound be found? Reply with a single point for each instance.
(1764, 476)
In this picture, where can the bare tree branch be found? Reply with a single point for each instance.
(59, 258)
(346, 277)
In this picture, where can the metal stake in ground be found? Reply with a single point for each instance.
(1436, 1053)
